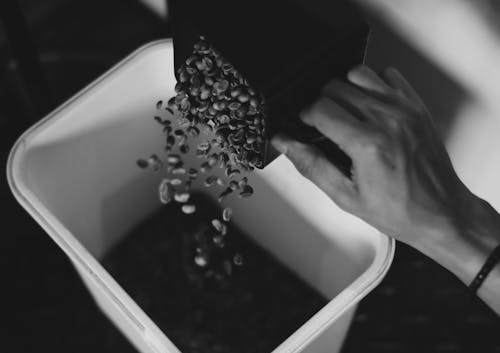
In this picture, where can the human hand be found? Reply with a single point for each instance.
(403, 182)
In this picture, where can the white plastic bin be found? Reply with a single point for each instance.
(75, 173)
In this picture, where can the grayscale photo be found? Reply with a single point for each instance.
(266, 176)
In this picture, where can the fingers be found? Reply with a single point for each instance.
(311, 163)
(397, 81)
(336, 123)
(367, 79)
(360, 105)
(348, 95)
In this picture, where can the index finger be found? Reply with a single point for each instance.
(336, 123)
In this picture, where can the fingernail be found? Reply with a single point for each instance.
(356, 72)
(305, 114)
(279, 142)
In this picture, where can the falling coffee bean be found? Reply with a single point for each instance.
(227, 213)
(189, 208)
(211, 180)
(217, 225)
(247, 191)
(142, 163)
(173, 159)
(179, 171)
(182, 197)
(238, 259)
(165, 191)
(176, 182)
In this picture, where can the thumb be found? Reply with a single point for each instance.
(312, 164)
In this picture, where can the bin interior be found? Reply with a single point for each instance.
(76, 172)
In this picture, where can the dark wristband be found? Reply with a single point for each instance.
(490, 263)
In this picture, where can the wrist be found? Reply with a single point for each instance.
(463, 242)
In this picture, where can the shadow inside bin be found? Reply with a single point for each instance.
(325, 262)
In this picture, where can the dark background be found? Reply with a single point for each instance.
(418, 307)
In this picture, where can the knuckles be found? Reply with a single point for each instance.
(375, 144)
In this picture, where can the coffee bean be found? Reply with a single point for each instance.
(167, 130)
(227, 68)
(204, 146)
(220, 182)
(227, 213)
(247, 191)
(200, 260)
(209, 81)
(165, 191)
(193, 173)
(223, 119)
(254, 103)
(243, 182)
(211, 180)
(178, 87)
(218, 240)
(224, 194)
(179, 171)
(142, 163)
(233, 185)
(200, 65)
(191, 59)
(219, 106)
(205, 94)
(224, 159)
(183, 76)
(231, 172)
(155, 163)
(191, 70)
(171, 102)
(236, 92)
(173, 159)
(205, 167)
(244, 97)
(238, 259)
(212, 112)
(233, 106)
(184, 123)
(182, 197)
(175, 182)
(221, 86)
(188, 208)
(217, 225)
(213, 159)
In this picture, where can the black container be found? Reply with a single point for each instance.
(286, 49)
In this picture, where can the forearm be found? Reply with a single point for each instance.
(463, 247)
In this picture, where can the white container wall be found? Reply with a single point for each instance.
(75, 173)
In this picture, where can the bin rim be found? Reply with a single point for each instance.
(80, 256)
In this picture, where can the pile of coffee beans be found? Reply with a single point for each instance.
(224, 117)
(230, 309)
